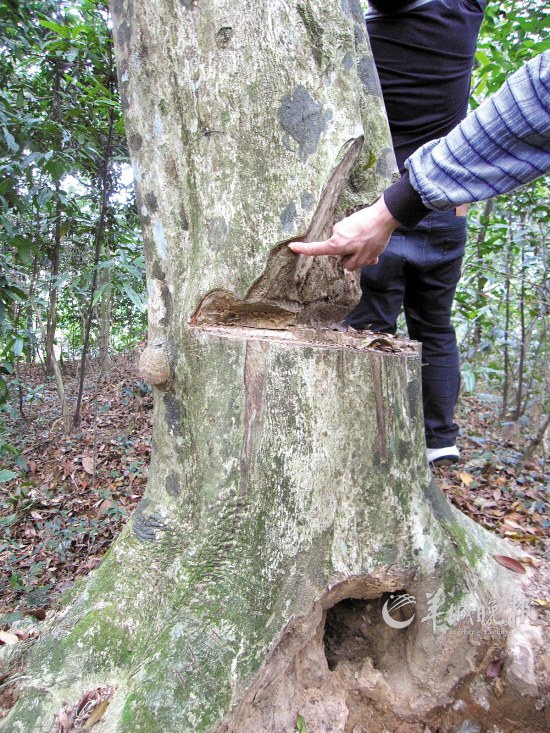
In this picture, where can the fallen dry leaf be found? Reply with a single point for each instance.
(97, 713)
(104, 507)
(530, 560)
(466, 478)
(510, 563)
(88, 464)
(515, 525)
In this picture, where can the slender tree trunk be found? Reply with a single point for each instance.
(105, 322)
(289, 495)
(506, 350)
(56, 371)
(52, 305)
(481, 277)
(20, 397)
(32, 351)
(99, 236)
(56, 247)
(518, 411)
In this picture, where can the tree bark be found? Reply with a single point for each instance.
(289, 493)
(58, 377)
(105, 322)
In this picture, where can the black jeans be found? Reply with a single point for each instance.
(419, 270)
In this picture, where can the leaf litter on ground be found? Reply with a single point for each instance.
(73, 493)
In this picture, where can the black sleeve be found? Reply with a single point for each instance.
(404, 202)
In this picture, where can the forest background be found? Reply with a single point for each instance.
(73, 297)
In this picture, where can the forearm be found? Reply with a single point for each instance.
(503, 144)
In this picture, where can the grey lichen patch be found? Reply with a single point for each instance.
(172, 413)
(217, 231)
(147, 525)
(173, 486)
(135, 141)
(124, 33)
(359, 35)
(307, 200)
(369, 76)
(151, 202)
(347, 62)
(288, 217)
(157, 273)
(304, 119)
(167, 301)
(287, 142)
(386, 165)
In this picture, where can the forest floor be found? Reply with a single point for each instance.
(73, 492)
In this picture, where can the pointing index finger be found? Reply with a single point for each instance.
(313, 248)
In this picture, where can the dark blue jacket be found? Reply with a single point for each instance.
(424, 52)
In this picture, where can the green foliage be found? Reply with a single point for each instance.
(502, 300)
(513, 32)
(62, 160)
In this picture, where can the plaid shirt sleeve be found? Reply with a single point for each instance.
(503, 144)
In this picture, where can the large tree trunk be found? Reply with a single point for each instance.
(289, 493)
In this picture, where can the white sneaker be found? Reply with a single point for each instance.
(443, 456)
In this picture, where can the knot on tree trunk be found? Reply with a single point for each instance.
(155, 364)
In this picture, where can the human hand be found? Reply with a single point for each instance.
(358, 239)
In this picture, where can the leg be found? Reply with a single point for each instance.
(382, 291)
(428, 301)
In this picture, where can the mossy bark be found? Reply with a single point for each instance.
(288, 470)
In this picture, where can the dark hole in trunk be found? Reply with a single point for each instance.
(355, 628)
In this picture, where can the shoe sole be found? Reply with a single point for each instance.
(443, 462)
